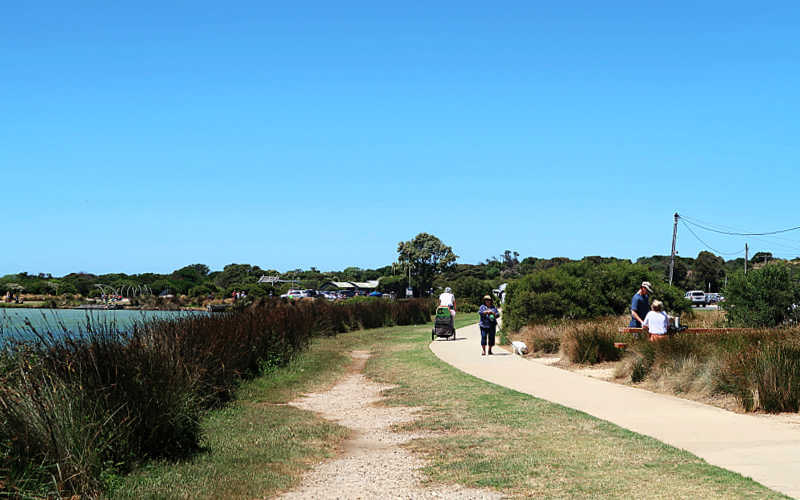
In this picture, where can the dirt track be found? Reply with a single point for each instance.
(374, 464)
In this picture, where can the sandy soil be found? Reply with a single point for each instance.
(373, 464)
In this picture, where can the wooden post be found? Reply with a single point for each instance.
(672, 256)
(745, 258)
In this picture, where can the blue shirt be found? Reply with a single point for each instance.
(641, 305)
(484, 314)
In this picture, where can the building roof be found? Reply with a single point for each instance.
(350, 285)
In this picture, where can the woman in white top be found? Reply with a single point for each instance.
(656, 322)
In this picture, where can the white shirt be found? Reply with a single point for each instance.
(656, 322)
(447, 299)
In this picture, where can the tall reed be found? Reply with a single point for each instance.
(80, 406)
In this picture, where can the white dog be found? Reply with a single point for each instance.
(519, 347)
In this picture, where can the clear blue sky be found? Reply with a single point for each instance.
(151, 135)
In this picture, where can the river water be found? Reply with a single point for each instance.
(13, 320)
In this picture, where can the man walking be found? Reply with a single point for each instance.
(640, 305)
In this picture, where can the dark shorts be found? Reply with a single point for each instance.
(487, 334)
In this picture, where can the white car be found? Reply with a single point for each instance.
(294, 294)
(698, 297)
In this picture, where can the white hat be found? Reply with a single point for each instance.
(647, 286)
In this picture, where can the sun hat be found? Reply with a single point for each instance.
(486, 297)
(647, 286)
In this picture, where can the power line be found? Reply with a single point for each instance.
(787, 244)
(706, 244)
(733, 233)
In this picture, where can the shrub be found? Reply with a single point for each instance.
(590, 343)
(543, 338)
(766, 375)
(582, 290)
(764, 297)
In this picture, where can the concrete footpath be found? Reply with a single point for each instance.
(755, 446)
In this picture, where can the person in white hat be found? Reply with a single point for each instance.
(640, 305)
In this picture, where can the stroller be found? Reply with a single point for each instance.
(443, 324)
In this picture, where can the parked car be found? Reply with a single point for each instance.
(295, 294)
(698, 297)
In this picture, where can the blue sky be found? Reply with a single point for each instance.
(150, 135)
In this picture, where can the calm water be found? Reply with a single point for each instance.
(12, 321)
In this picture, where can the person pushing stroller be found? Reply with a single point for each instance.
(448, 300)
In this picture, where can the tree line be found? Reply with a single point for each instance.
(430, 263)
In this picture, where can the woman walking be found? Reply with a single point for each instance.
(488, 314)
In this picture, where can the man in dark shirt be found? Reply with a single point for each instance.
(640, 304)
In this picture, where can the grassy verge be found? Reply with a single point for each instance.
(523, 446)
(487, 436)
(256, 446)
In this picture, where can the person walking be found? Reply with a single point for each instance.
(656, 323)
(488, 314)
(448, 300)
(640, 304)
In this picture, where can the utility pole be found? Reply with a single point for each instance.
(745, 258)
(672, 256)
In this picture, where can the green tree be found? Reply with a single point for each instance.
(761, 257)
(236, 274)
(709, 270)
(427, 256)
(583, 290)
(764, 297)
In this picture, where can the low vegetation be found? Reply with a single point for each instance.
(592, 341)
(481, 435)
(79, 407)
(759, 368)
(754, 370)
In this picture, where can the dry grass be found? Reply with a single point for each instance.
(489, 436)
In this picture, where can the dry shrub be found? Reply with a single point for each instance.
(542, 338)
(761, 368)
(767, 375)
(592, 342)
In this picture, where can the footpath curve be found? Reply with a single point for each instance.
(756, 446)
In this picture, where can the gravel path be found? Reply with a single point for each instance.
(373, 465)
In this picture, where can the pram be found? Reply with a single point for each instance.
(443, 324)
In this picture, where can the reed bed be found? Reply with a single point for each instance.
(78, 408)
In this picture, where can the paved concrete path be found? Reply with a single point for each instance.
(755, 446)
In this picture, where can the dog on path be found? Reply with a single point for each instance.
(519, 347)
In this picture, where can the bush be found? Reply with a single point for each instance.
(590, 343)
(543, 338)
(764, 297)
(79, 406)
(582, 290)
(766, 375)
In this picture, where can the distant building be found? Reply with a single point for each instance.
(355, 286)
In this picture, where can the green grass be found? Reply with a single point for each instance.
(485, 435)
(256, 446)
